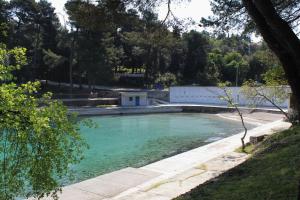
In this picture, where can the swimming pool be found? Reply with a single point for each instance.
(137, 140)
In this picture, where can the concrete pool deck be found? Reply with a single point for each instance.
(171, 177)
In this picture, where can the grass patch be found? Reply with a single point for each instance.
(273, 172)
(249, 149)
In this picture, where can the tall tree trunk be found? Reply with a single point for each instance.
(280, 38)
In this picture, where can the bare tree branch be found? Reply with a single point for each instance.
(168, 13)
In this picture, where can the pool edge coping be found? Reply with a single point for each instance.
(167, 108)
(269, 127)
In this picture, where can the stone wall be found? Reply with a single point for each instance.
(211, 95)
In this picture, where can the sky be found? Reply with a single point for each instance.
(195, 9)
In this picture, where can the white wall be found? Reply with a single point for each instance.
(126, 102)
(210, 95)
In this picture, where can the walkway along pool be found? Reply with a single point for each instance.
(137, 140)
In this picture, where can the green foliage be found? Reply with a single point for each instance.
(249, 149)
(265, 67)
(150, 47)
(235, 60)
(227, 97)
(231, 15)
(258, 93)
(215, 62)
(10, 60)
(3, 30)
(236, 67)
(52, 60)
(4, 25)
(196, 56)
(274, 89)
(275, 76)
(167, 79)
(105, 34)
(271, 173)
(38, 139)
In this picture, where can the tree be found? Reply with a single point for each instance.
(149, 47)
(98, 50)
(215, 63)
(196, 56)
(235, 68)
(260, 62)
(35, 26)
(231, 103)
(280, 37)
(177, 53)
(275, 20)
(38, 139)
(4, 23)
(49, 28)
(275, 76)
(106, 35)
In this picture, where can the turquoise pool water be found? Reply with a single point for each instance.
(137, 140)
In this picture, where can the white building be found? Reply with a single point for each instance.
(134, 99)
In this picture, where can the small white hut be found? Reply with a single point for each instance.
(134, 99)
